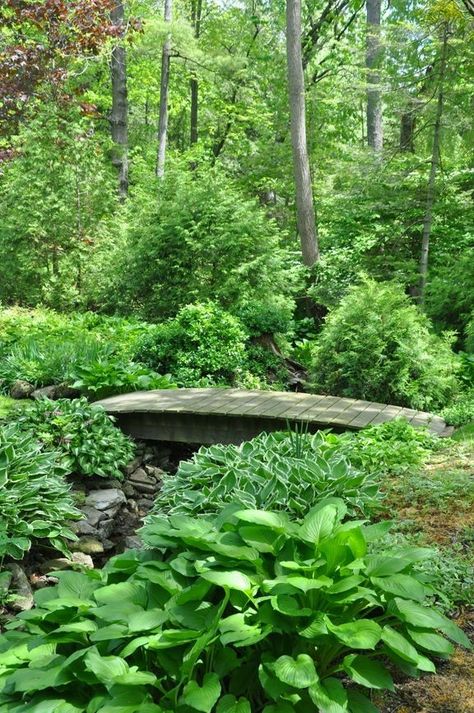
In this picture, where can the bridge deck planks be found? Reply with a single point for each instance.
(212, 415)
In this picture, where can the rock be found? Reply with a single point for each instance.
(149, 455)
(21, 389)
(82, 559)
(93, 516)
(106, 528)
(112, 512)
(5, 582)
(23, 600)
(64, 391)
(133, 465)
(154, 472)
(129, 490)
(105, 499)
(132, 505)
(83, 528)
(145, 503)
(55, 565)
(140, 476)
(108, 545)
(47, 392)
(88, 546)
(145, 488)
(133, 542)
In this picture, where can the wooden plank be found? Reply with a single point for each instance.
(386, 414)
(318, 412)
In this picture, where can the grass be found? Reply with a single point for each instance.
(6, 404)
(464, 433)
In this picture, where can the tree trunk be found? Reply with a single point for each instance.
(196, 13)
(372, 62)
(407, 128)
(435, 157)
(305, 211)
(119, 113)
(165, 75)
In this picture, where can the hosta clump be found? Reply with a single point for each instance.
(249, 612)
(84, 434)
(35, 502)
(278, 471)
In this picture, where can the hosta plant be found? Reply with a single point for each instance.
(277, 471)
(84, 434)
(35, 502)
(107, 377)
(248, 613)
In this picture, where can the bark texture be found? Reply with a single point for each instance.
(305, 211)
(372, 60)
(164, 87)
(119, 113)
(435, 158)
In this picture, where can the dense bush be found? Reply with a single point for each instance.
(450, 292)
(277, 471)
(201, 342)
(249, 612)
(470, 335)
(200, 240)
(377, 346)
(84, 434)
(107, 377)
(461, 410)
(35, 502)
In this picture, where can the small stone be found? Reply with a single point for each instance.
(47, 392)
(88, 546)
(23, 600)
(145, 488)
(140, 476)
(133, 465)
(93, 516)
(55, 565)
(133, 543)
(132, 504)
(145, 503)
(106, 528)
(82, 559)
(112, 512)
(64, 391)
(108, 545)
(21, 389)
(149, 455)
(83, 528)
(129, 490)
(154, 472)
(105, 499)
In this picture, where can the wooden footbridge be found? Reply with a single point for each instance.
(235, 415)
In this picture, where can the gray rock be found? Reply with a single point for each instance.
(55, 565)
(83, 528)
(64, 391)
(108, 545)
(140, 476)
(145, 503)
(133, 465)
(105, 499)
(154, 472)
(106, 528)
(88, 546)
(93, 516)
(21, 588)
(82, 559)
(133, 543)
(132, 505)
(21, 389)
(145, 488)
(112, 512)
(47, 392)
(129, 490)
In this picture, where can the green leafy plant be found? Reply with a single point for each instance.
(376, 345)
(461, 410)
(250, 612)
(277, 471)
(35, 499)
(113, 376)
(84, 435)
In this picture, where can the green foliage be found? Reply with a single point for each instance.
(470, 335)
(377, 346)
(188, 624)
(84, 435)
(201, 342)
(267, 318)
(6, 404)
(277, 471)
(450, 294)
(104, 378)
(202, 239)
(35, 500)
(461, 411)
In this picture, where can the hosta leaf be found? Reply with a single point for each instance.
(401, 585)
(330, 696)
(230, 704)
(107, 669)
(430, 641)
(383, 565)
(202, 698)
(361, 634)
(231, 579)
(358, 703)
(426, 618)
(299, 672)
(273, 520)
(367, 672)
(318, 524)
(397, 643)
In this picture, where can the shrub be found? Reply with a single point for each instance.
(272, 316)
(470, 335)
(277, 471)
(84, 434)
(106, 377)
(461, 410)
(201, 342)
(35, 502)
(377, 346)
(249, 612)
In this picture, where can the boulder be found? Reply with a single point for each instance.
(82, 559)
(105, 499)
(93, 516)
(106, 528)
(64, 391)
(83, 528)
(47, 392)
(88, 546)
(140, 476)
(133, 465)
(21, 588)
(145, 488)
(21, 389)
(133, 542)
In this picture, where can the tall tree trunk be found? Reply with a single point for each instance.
(372, 62)
(165, 76)
(119, 113)
(407, 127)
(305, 211)
(435, 158)
(196, 13)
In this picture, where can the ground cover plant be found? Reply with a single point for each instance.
(35, 500)
(251, 611)
(84, 435)
(279, 471)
